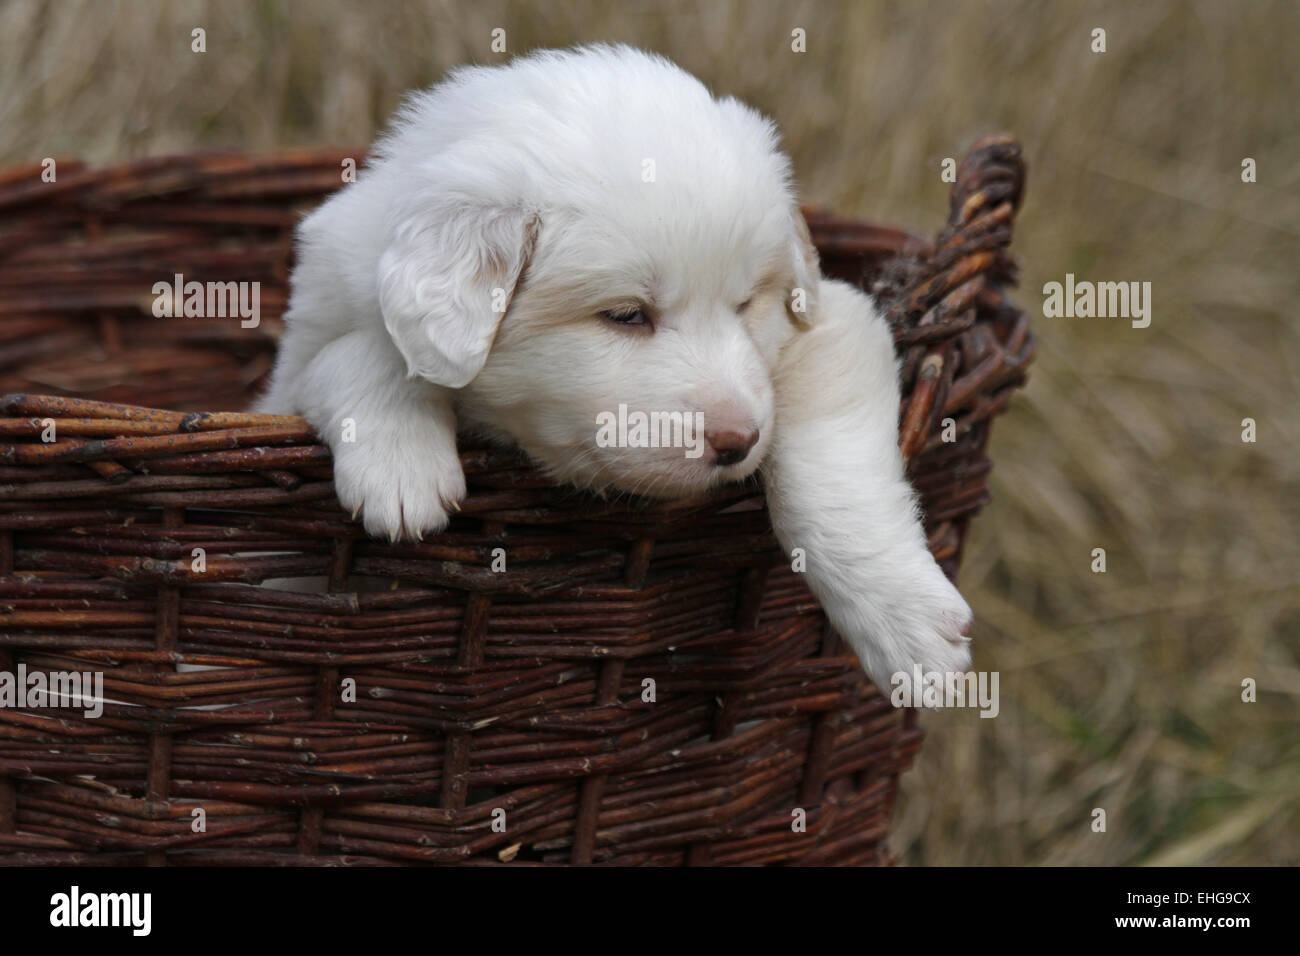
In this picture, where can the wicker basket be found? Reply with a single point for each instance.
(498, 717)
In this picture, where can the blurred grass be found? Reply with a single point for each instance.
(1119, 690)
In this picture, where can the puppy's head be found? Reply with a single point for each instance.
(607, 269)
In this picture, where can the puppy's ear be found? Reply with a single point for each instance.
(446, 280)
(801, 300)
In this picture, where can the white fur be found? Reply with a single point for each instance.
(836, 488)
(463, 277)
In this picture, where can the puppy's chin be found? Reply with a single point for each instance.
(649, 473)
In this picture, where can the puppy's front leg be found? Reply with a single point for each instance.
(393, 437)
(836, 489)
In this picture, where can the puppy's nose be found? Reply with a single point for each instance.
(731, 445)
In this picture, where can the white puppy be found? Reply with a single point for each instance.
(535, 245)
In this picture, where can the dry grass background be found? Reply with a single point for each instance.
(1119, 690)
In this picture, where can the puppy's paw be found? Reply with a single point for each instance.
(916, 634)
(403, 487)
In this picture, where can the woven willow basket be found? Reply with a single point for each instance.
(499, 718)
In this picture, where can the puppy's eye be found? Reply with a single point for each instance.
(632, 315)
(740, 309)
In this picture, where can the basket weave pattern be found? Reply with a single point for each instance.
(482, 697)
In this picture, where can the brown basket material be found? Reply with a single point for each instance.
(476, 692)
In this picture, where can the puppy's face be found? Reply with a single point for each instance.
(636, 351)
(605, 271)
